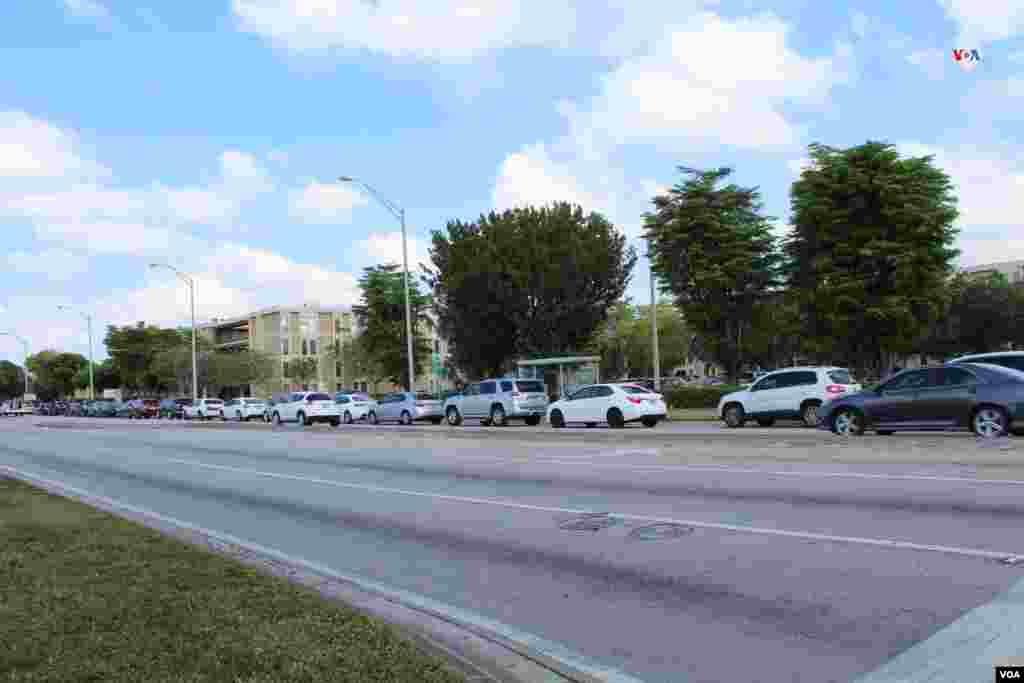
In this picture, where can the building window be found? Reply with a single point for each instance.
(437, 345)
(305, 347)
(284, 346)
(312, 347)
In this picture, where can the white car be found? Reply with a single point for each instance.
(616, 404)
(204, 409)
(790, 393)
(307, 407)
(354, 407)
(244, 409)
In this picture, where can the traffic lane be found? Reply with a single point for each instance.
(669, 609)
(948, 511)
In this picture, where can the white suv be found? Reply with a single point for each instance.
(307, 407)
(203, 409)
(791, 393)
(244, 409)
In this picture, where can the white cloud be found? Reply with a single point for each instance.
(381, 248)
(417, 29)
(983, 21)
(54, 265)
(933, 62)
(325, 202)
(530, 177)
(244, 173)
(34, 149)
(86, 9)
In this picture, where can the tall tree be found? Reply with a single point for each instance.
(381, 316)
(980, 314)
(55, 373)
(133, 350)
(713, 250)
(302, 370)
(869, 251)
(673, 341)
(12, 380)
(526, 281)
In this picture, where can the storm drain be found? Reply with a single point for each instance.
(658, 532)
(591, 521)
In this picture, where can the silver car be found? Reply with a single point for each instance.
(407, 407)
(496, 401)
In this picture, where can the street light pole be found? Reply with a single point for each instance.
(24, 344)
(190, 281)
(654, 326)
(88, 322)
(398, 213)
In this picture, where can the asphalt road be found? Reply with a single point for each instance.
(766, 555)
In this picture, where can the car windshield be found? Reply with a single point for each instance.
(318, 397)
(214, 402)
(530, 386)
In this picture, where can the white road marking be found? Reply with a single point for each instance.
(802, 535)
(521, 642)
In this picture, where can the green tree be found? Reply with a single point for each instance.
(527, 281)
(673, 341)
(381, 315)
(979, 314)
(869, 251)
(713, 250)
(12, 381)
(352, 362)
(134, 349)
(610, 340)
(302, 370)
(55, 373)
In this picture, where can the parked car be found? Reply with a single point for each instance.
(1008, 359)
(616, 404)
(496, 401)
(125, 409)
(203, 409)
(307, 407)
(244, 409)
(268, 411)
(407, 407)
(354, 407)
(106, 408)
(790, 393)
(140, 408)
(985, 398)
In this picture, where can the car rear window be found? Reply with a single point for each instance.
(319, 397)
(424, 396)
(360, 397)
(633, 389)
(840, 376)
(532, 387)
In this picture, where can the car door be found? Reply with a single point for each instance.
(760, 395)
(578, 406)
(466, 403)
(482, 402)
(603, 399)
(948, 397)
(387, 407)
(894, 404)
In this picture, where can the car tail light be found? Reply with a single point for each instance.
(636, 401)
(835, 388)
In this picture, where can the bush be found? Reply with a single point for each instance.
(689, 397)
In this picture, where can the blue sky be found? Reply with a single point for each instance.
(207, 135)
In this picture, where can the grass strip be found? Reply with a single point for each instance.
(86, 596)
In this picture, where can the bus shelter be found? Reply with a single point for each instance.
(561, 374)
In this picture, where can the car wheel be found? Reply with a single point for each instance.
(301, 419)
(454, 419)
(809, 414)
(373, 418)
(239, 416)
(733, 416)
(533, 420)
(436, 420)
(848, 422)
(498, 416)
(276, 419)
(201, 416)
(765, 421)
(348, 417)
(615, 419)
(406, 418)
(989, 422)
(650, 422)
(557, 419)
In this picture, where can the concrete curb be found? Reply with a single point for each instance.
(478, 648)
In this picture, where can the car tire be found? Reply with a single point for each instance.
(765, 421)
(498, 416)
(650, 421)
(557, 419)
(372, 417)
(239, 416)
(615, 418)
(347, 417)
(301, 419)
(990, 422)
(436, 420)
(454, 419)
(406, 418)
(847, 422)
(809, 414)
(275, 419)
(733, 416)
(533, 420)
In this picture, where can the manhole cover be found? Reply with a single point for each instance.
(657, 532)
(595, 521)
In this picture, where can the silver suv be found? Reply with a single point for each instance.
(496, 401)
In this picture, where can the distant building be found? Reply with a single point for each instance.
(1013, 271)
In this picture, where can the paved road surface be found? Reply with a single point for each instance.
(734, 558)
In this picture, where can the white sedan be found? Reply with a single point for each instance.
(354, 407)
(245, 409)
(204, 409)
(616, 404)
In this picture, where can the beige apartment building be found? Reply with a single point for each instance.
(288, 332)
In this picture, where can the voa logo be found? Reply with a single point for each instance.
(967, 59)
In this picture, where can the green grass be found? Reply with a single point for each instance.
(85, 596)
